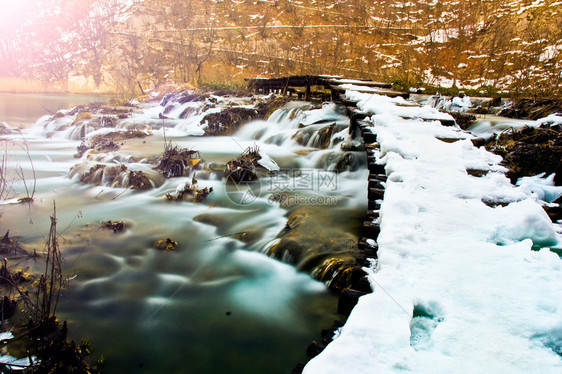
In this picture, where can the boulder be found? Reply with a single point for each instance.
(530, 151)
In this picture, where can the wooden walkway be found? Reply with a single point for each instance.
(325, 87)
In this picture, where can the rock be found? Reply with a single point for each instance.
(177, 162)
(299, 368)
(139, 181)
(267, 107)
(165, 245)
(187, 112)
(530, 151)
(495, 102)
(531, 109)
(463, 120)
(211, 219)
(190, 192)
(554, 210)
(94, 175)
(347, 162)
(310, 242)
(113, 225)
(314, 349)
(347, 301)
(116, 175)
(191, 96)
(316, 136)
(336, 271)
(229, 120)
(244, 167)
(478, 142)
(107, 142)
(82, 116)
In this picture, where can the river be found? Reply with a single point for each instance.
(216, 304)
(23, 109)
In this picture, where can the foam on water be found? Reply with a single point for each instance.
(214, 291)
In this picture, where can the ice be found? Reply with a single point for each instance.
(465, 281)
(267, 162)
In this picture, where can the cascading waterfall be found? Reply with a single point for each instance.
(216, 292)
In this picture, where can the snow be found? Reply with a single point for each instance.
(553, 119)
(267, 162)
(379, 104)
(19, 363)
(462, 284)
(543, 188)
(6, 336)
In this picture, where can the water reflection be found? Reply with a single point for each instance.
(22, 110)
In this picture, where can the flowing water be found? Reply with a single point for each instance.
(216, 304)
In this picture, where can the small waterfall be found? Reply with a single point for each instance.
(280, 126)
(298, 125)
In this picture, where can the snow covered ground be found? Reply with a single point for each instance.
(466, 281)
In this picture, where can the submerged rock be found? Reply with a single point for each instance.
(327, 253)
(116, 175)
(190, 192)
(113, 225)
(316, 136)
(107, 142)
(165, 245)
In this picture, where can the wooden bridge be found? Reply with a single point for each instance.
(324, 87)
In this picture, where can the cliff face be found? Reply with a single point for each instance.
(486, 44)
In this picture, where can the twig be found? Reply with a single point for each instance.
(119, 195)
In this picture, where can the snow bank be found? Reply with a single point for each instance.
(398, 106)
(553, 119)
(457, 286)
(543, 188)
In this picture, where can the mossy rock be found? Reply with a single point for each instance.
(165, 245)
(83, 116)
(310, 242)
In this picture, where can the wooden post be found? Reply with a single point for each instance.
(285, 86)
